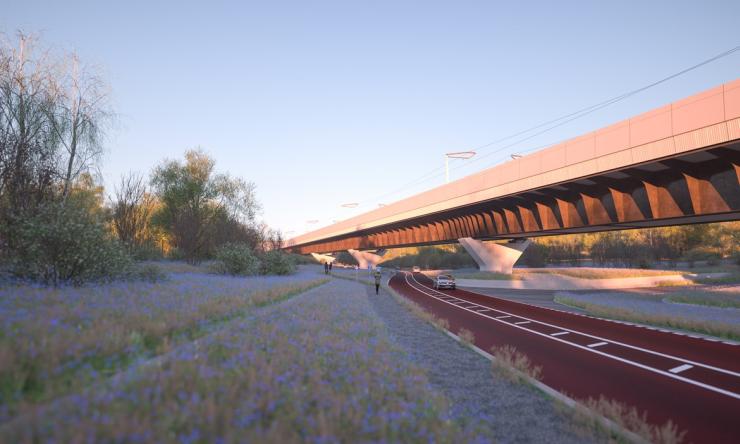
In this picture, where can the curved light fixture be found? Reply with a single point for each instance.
(455, 155)
(350, 205)
(461, 155)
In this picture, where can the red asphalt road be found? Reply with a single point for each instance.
(693, 382)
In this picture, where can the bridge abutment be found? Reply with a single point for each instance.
(323, 258)
(366, 258)
(491, 256)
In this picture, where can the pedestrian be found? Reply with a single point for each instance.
(377, 281)
(330, 266)
(326, 268)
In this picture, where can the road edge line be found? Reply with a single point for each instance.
(546, 389)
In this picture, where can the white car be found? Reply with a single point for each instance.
(444, 281)
(415, 269)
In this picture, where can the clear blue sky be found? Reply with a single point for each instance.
(325, 103)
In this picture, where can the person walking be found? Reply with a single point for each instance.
(326, 267)
(330, 266)
(377, 281)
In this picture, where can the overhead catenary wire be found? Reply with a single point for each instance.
(550, 125)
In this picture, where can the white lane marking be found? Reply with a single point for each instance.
(597, 344)
(560, 333)
(681, 368)
(500, 317)
(634, 347)
(523, 322)
(485, 309)
(606, 355)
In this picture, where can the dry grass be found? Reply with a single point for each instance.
(466, 336)
(514, 364)
(627, 418)
(604, 273)
(717, 329)
(674, 283)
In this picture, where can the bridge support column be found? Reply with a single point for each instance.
(491, 256)
(366, 258)
(323, 258)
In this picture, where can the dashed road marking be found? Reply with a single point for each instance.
(592, 347)
(680, 368)
(522, 322)
(560, 333)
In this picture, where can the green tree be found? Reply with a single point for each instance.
(194, 199)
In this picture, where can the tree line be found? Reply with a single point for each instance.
(56, 224)
(643, 248)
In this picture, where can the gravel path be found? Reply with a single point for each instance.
(516, 413)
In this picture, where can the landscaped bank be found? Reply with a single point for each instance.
(316, 368)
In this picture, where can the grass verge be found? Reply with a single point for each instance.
(605, 273)
(490, 276)
(707, 298)
(730, 278)
(717, 329)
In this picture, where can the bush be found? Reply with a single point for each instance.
(300, 259)
(147, 251)
(148, 272)
(277, 262)
(535, 255)
(64, 243)
(236, 259)
(710, 255)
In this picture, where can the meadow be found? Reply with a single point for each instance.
(54, 341)
(314, 368)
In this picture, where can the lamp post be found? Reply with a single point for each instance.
(457, 155)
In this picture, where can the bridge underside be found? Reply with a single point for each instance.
(698, 187)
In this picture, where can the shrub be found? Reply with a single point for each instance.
(702, 254)
(148, 272)
(64, 243)
(277, 262)
(147, 251)
(236, 259)
(535, 255)
(300, 259)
